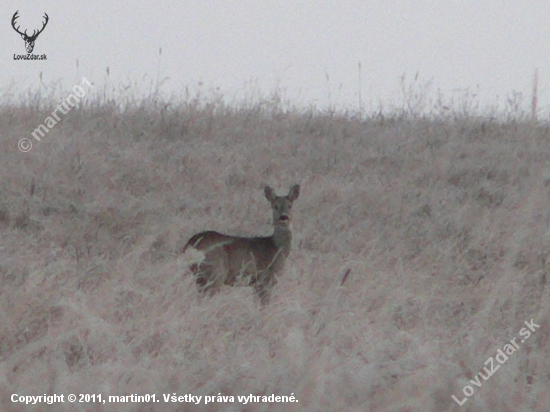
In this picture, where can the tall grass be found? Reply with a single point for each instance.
(421, 246)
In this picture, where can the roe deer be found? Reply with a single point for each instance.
(216, 259)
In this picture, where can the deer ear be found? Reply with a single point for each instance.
(268, 191)
(294, 193)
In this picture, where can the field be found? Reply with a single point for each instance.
(421, 247)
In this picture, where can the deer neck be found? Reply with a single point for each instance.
(282, 237)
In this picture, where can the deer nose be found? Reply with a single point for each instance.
(283, 218)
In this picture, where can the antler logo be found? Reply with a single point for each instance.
(29, 40)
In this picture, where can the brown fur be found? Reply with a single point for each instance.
(241, 261)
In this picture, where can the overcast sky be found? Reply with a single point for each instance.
(307, 50)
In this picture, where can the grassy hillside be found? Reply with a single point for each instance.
(421, 245)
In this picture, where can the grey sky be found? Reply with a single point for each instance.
(308, 49)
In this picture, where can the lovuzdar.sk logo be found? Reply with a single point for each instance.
(29, 39)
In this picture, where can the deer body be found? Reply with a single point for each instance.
(217, 259)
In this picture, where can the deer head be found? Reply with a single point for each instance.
(29, 40)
